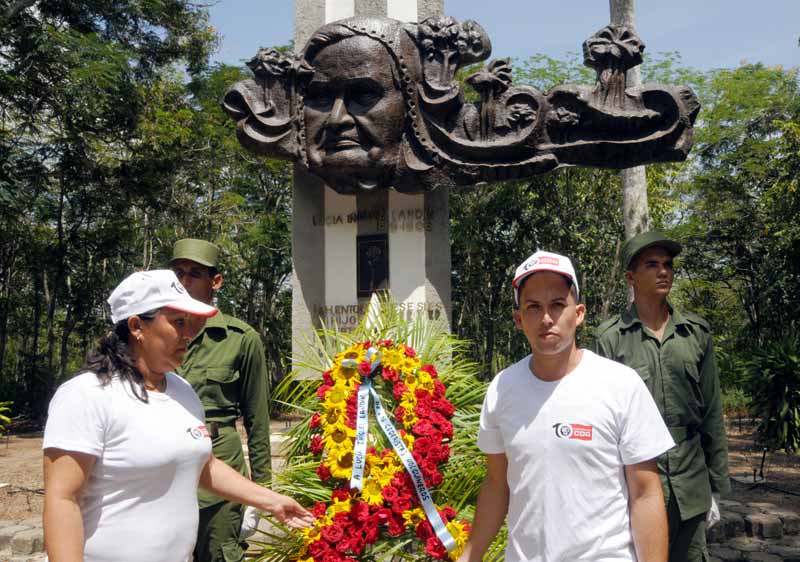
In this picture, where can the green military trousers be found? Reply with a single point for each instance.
(687, 539)
(221, 521)
(218, 532)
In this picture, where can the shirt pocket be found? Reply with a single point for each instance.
(693, 379)
(644, 372)
(221, 388)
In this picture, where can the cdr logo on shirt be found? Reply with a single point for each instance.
(573, 431)
(198, 432)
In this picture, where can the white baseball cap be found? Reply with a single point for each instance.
(150, 290)
(544, 261)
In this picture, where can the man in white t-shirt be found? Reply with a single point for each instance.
(570, 440)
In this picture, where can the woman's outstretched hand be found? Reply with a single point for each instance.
(289, 512)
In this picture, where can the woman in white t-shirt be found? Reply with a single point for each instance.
(125, 444)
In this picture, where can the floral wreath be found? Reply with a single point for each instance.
(387, 497)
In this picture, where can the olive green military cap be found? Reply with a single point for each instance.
(200, 251)
(645, 240)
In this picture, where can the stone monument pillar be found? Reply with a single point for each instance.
(346, 246)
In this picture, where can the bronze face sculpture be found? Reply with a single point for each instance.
(373, 102)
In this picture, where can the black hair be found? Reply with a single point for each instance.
(113, 356)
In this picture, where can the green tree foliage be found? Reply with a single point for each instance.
(107, 156)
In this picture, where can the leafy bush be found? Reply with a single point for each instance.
(734, 402)
(774, 386)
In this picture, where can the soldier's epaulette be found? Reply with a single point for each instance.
(698, 320)
(238, 325)
(606, 325)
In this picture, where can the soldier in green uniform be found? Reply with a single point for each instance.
(673, 353)
(226, 366)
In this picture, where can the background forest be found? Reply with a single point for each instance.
(113, 145)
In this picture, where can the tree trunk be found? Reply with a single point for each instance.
(635, 213)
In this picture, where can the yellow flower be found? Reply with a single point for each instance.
(355, 352)
(343, 375)
(411, 364)
(410, 380)
(425, 381)
(392, 359)
(372, 493)
(338, 437)
(459, 533)
(409, 438)
(381, 476)
(311, 534)
(334, 415)
(338, 506)
(340, 464)
(337, 395)
(414, 517)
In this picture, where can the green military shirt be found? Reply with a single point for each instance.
(681, 373)
(226, 367)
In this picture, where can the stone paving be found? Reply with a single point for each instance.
(22, 541)
(754, 532)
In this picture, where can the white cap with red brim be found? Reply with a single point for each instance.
(144, 291)
(544, 261)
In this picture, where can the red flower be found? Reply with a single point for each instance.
(424, 530)
(438, 388)
(316, 444)
(444, 406)
(389, 375)
(435, 548)
(332, 533)
(437, 418)
(422, 427)
(321, 391)
(319, 509)
(355, 544)
(430, 369)
(341, 495)
(323, 472)
(436, 478)
(447, 513)
(447, 429)
(396, 528)
(315, 420)
(360, 511)
(386, 343)
(382, 516)
(410, 352)
(317, 549)
(398, 390)
(400, 413)
(365, 368)
(423, 410)
(390, 494)
(333, 556)
(402, 504)
(422, 395)
(372, 534)
(327, 378)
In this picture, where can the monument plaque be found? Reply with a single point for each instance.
(372, 259)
